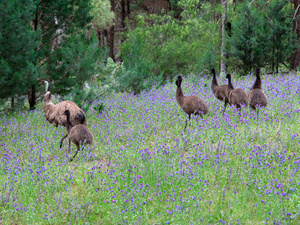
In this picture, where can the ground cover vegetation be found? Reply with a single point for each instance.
(145, 168)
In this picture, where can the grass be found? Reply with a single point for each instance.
(145, 169)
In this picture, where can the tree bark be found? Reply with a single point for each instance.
(32, 97)
(296, 28)
(224, 19)
(32, 90)
(123, 13)
(128, 8)
(112, 34)
(12, 103)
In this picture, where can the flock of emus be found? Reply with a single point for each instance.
(226, 93)
(69, 115)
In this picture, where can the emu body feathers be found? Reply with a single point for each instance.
(220, 92)
(256, 96)
(53, 113)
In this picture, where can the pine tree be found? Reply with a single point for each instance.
(18, 41)
(58, 21)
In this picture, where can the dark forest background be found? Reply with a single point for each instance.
(131, 45)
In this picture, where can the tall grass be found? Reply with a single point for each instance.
(144, 168)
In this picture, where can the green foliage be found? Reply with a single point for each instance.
(103, 17)
(166, 46)
(18, 43)
(262, 35)
(136, 74)
(84, 97)
(73, 62)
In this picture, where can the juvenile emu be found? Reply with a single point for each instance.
(53, 113)
(78, 134)
(256, 96)
(235, 96)
(190, 104)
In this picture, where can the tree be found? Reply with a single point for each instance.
(262, 35)
(224, 20)
(58, 20)
(296, 28)
(18, 69)
(103, 19)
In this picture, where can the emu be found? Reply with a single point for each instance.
(190, 104)
(78, 134)
(235, 96)
(53, 113)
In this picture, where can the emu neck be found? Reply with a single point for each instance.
(230, 85)
(179, 95)
(257, 83)
(214, 82)
(69, 124)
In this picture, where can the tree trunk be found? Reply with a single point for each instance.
(123, 13)
(112, 34)
(123, 16)
(128, 8)
(32, 97)
(296, 28)
(12, 103)
(31, 90)
(224, 19)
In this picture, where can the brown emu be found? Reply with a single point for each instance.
(78, 134)
(53, 113)
(220, 92)
(256, 96)
(235, 96)
(190, 104)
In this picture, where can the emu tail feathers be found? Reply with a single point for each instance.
(81, 117)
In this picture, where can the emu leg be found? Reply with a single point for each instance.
(61, 140)
(238, 107)
(224, 107)
(186, 122)
(69, 145)
(78, 149)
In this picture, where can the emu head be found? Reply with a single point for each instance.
(228, 76)
(178, 81)
(67, 113)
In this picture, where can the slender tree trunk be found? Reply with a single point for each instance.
(224, 19)
(32, 90)
(12, 103)
(296, 28)
(123, 16)
(128, 8)
(32, 97)
(112, 34)
(123, 13)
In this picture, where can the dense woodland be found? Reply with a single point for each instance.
(131, 45)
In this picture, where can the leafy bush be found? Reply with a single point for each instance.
(161, 47)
